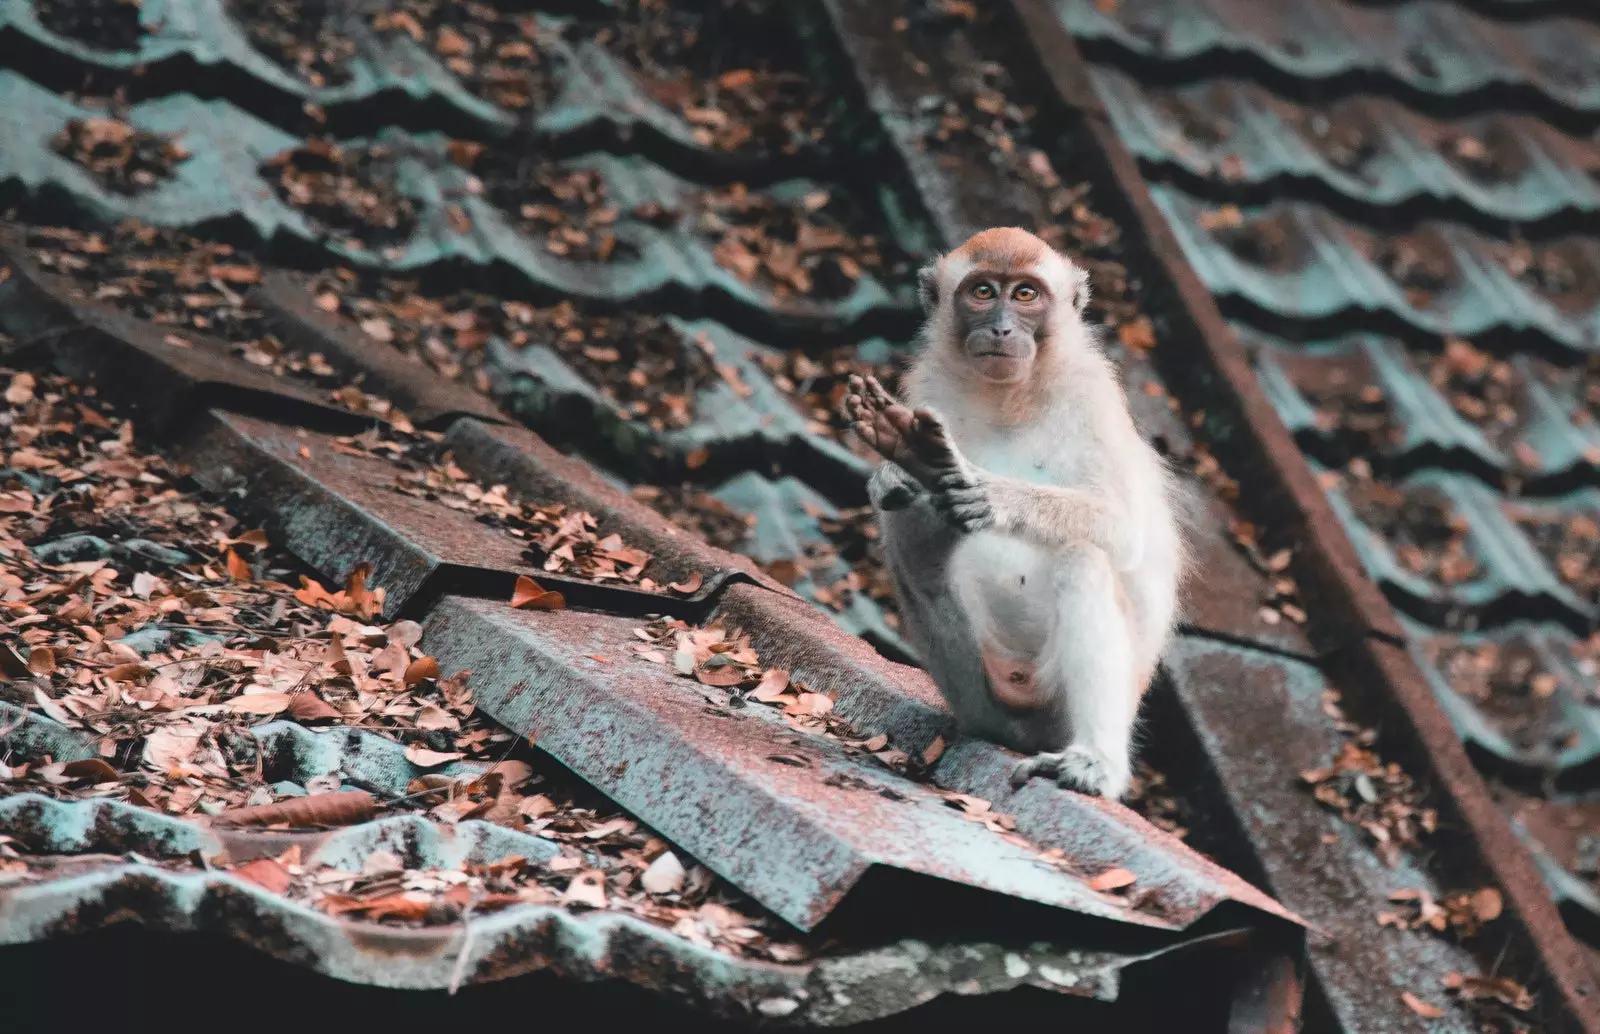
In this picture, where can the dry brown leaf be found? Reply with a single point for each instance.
(343, 808)
(530, 595)
(722, 675)
(934, 752)
(91, 770)
(309, 707)
(587, 888)
(266, 873)
(260, 703)
(42, 661)
(1113, 879)
(774, 683)
(1427, 1010)
(238, 570)
(433, 717)
(171, 746)
(422, 757)
(420, 669)
(690, 585)
(392, 906)
(1487, 904)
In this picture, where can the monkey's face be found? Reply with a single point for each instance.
(1001, 321)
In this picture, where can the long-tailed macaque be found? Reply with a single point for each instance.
(1031, 532)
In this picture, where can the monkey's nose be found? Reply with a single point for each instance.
(1000, 332)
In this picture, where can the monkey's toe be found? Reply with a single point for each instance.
(1044, 765)
(1087, 771)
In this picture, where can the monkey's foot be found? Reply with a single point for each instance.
(1076, 768)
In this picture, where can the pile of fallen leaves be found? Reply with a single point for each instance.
(638, 360)
(164, 276)
(303, 36)
(565, 209)
(495, 53)
(1428, 535)
(1356, 410)
(1282, 593)
(698, 64)
(1462, 914)
(1559, 270)
(560, 540)
(789, 248)
(1485, 391)
(142, 618)
(1359, 787)
(1421, 264)
(347, 192)
(1570, 542)
(123, 159)
(694, 509)
(723, 657)
(604, 861)
(1270, 240)
(1510, 684)
(101, 24)
(853, 539)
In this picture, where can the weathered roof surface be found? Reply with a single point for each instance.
(530, 219)
(689, 369)
(1394, 204)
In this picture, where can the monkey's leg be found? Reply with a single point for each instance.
(890, 488)
(1090, 655)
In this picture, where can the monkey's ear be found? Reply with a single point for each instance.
(928, 287)
(1080, 289)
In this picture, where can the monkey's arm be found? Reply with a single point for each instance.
(891, 488)
(1048, 515)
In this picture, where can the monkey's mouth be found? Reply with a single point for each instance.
(1001, 366)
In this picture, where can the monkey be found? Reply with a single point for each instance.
(1032, 534)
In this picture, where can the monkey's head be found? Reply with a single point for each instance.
(1001, 300)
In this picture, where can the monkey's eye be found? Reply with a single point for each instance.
(983, 292)
(1025, 293)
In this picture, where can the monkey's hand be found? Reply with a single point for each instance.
(920, 443)
(891, 488)
(957, 489)
(882, 423)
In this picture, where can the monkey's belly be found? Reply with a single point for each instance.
(1011, 594)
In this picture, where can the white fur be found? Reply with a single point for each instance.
(1058, 609)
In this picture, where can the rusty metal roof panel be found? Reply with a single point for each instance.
(1295, 261)
(1263, 719)
(1430, 359)
(336, 507)
(454, 224)
(1355, 154)
(1412, 422)
(1429, 48)
(110, 854)
(1554, 730)
(730, 782)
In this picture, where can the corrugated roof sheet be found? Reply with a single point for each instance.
(1394, 204)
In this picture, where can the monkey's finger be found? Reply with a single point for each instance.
(856, 385)
(879, 393)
